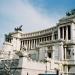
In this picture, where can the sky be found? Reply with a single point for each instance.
(34, 15)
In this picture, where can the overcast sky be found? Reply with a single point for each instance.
(32, 14)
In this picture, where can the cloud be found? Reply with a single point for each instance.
(24, 13)
(16, 12)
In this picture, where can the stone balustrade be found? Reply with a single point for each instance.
(39, 33)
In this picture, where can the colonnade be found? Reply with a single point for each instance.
(34, 42)
(64, 32)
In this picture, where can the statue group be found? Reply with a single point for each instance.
(18, 28)
(72, 12)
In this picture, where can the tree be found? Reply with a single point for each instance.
(7, 66)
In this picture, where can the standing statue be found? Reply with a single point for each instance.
(18, 28)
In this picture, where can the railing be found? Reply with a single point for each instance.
(68, 74)
(68, 61)
(38, 33)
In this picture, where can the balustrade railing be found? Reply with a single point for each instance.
(68, 61)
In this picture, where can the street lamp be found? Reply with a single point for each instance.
(46, 60)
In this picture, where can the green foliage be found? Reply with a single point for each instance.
(6, 66)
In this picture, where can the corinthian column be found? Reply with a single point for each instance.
(29, 44)
(66, 33)
(63, 32)
(58, 33)
(34, 42)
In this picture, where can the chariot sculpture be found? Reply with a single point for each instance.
(18, 28)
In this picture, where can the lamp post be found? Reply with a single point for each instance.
(65, 47)
(46, 60)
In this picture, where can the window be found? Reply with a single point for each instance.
(40, 39)
(69, 32)
(33, 56)
(49, 54)
(61, 32)
(23, 42)
(55, 35)
(65, 32)
(68, 53)
(47, 38)
(50, 37)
